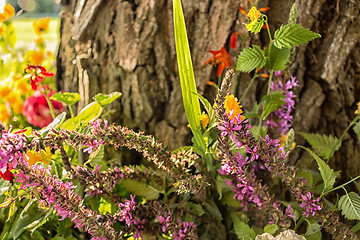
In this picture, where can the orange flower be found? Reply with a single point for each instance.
(4, 113)
(221, 59)
(233, 39)
(357, 111)
(41, 25)
(232, 107)
(42, 156)
(35, 57)
(242, 11)
(264, 9)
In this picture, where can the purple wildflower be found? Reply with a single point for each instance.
(309, 205)
(288, 211)
(281, 118)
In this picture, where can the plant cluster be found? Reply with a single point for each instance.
(234, 181)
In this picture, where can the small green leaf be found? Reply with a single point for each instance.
(195, 208)
(258, 131)
(251, 58)
(357, 129)
(278, 58)
(313, 231)
(141, 189)
(242, 230)
(272, 103)
(271, 228)
(88, 114)
(56, 122)
(254, 113)
(106, 99)
(292, 35)
(66, 97)
(350, 206)
(326, 145)
(328, 175)
(104, 206)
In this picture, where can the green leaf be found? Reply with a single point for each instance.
(251, 58)
(106, 99)
(271, 228)
(195, 208)
(272, 103)
(88, 114)
(326, 145)
(66, 97)
(242, 230)
(278, 58)
(328, 175)
(258, 131)
(355, 228)
(186, 74)
(104, 206)
(357, 129)
(141, 189)
(56, 122)
(350, 206)
(254, 113)
(293, 35)
(313, 231)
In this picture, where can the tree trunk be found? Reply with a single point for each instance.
(128, 46)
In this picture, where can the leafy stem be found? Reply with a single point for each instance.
(349, 126)
(49, 103)
(249, 85)
(341, 186)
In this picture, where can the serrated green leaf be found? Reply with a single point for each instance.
(186, 75)
(271, 228)
(254, 113)
(141, 189)
(242, 230)
(328, 175)
(195, 208)
(66, 97)
(278, 58)
(258, 131)
(357, 129)
(293, 35)
(326, 145)
(350, 206)
(272, 103)
(251, 58)
(106, 99)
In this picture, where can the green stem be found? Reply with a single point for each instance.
(219, 81)
(49, 103)
(341, 186)
(71, 112)
(270, 78)
(350, 125)
(248, 87)
(299, 222)
(268, 30)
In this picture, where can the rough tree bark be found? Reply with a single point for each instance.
(128, 46)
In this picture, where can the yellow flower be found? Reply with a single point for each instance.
(232, 107)
(35, 57)
(283, 140)
(41, 25)
(357, 111)
(42, 156)
(254, 14)
(4, 113)
(4, 90)
(204, 120)
(15, 102)
(9, 12)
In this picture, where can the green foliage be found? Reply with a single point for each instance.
(141, 189)
(325, 145)
(106, 99)
(278, 58)
(293, 14)
(293, 35)
(55, 123)
(186, 74)
(350, 206)
(272, 103)
(313, 231)
(271, 228)
(328, 175)
(88, 114)
(242, 230)
(8, 38)
(66, 97)
(251, 58)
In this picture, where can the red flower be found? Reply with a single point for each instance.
(7, 175)
(37, 111)
(37, 74)
(221, 59)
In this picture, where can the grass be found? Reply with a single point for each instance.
(25, 32)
